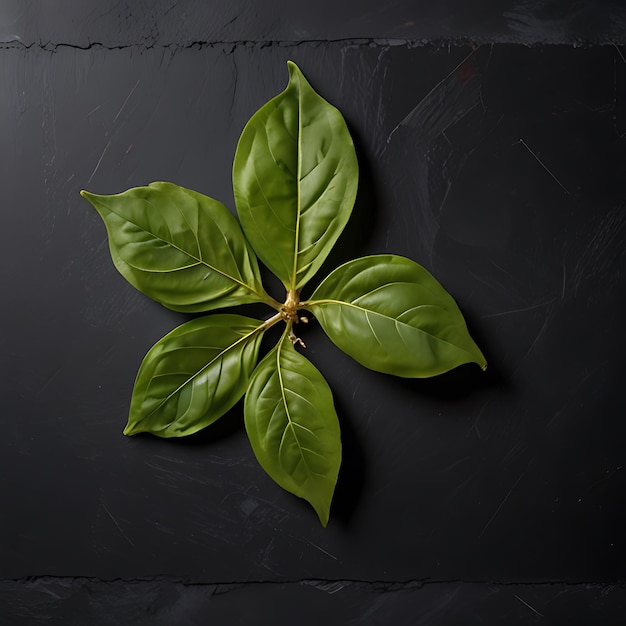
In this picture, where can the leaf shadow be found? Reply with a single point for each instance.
(352, 474)
(466, 380)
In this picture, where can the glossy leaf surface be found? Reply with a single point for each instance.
(392, 316)
(293, 427)
(194, 375)
(295, 178)
(179, 247)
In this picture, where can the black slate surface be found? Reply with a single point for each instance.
(176, 23)
(499, 167)
(78, 601)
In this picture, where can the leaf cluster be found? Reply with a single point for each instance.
(295, 177)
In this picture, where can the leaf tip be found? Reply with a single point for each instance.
(321, 506)
(92, 198)
(129, 430)
(294, 71)
(481, 361)
(323, 517)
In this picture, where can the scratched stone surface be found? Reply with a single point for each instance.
(500, 167)
(81, 601)
(86, 23)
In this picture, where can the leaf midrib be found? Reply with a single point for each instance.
(202, 369)
(313, 303)
(198, 260)
(294, 273)
(291, 423)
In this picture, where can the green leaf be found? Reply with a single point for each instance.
(194, 375)
(179, 247)
(293, 427)
(295, 177)
(392, 316)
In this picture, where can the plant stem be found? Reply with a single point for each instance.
(272, 321)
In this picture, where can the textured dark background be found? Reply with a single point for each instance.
(492, 148)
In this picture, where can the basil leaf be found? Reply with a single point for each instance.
(389, 314)
(179, 247)
(194, 375)
(293, 426)
(295, 178)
